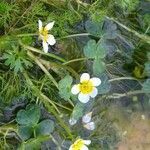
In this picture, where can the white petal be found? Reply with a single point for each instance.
(49, 25)
(45, 47)
(84, 98)
(72, 121)
(40, 24)
(84, 147)
(95, 81)
(84, 76)
(51, 40)
(87, 142)
(75, 89)
(94, 92)
(90, 126)
(71, 148)
(87, 117)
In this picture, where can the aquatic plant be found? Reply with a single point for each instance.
(41, 103)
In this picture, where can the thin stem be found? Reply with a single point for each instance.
(75, 60)
(55, 141)
(43, 68)
(64, 106)
(119, 95)
(51, 65)
(27, 34)
(38, 93)
(74, 35)
(60, 121)
(122, 78)
(82, 3)
(41, 52)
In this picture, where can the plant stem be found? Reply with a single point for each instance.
(41, 52)
(122, 78)
(75, 60)
(60, 121)
(43, 68)
(55, 141)
(120, 95)
(59, 66)
(38, 93)
(74, 35)
(27, 34)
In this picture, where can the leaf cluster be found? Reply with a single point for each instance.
(29, 124)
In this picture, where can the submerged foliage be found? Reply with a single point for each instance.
(108, 39)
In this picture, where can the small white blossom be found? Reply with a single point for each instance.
(89, 126)
(86, 88)
(72, 121)
(87, 117)
(80, 144)
(87, 123)
(47, 39)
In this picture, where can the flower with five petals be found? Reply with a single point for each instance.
(80, 144)
(86, 88)
(47, 39)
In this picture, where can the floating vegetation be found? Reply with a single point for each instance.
(74, 74)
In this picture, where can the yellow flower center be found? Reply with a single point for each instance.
(78, 144)
(86, 87)
(44, 34)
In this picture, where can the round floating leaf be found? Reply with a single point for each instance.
(25, 132)
(30, 116)
(90, 49)
(147, 68)
(98, 66)
(64, 86)
(146, 86)
(94, 28)
(110, 29)
(105, 86)
(78, 111)
(45, 127)
(100, 51)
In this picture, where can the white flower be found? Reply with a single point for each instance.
(143, 117)
(89, 126)
(48, 39)
(72, 121)
(86, 119)
(86, 88)
(80, 144)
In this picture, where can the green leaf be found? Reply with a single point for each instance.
(110, 29)
(147, 68)
(94, 28)
(18, 66)
(64, 86)
(100, 51)
(146, 86)
(30, 116)
(45, 127)
(78, 111)
(98, 66)
(105, 85)
(90, 49)
(27, 40)
(25, 132)
(148, 56)
(34, 143)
